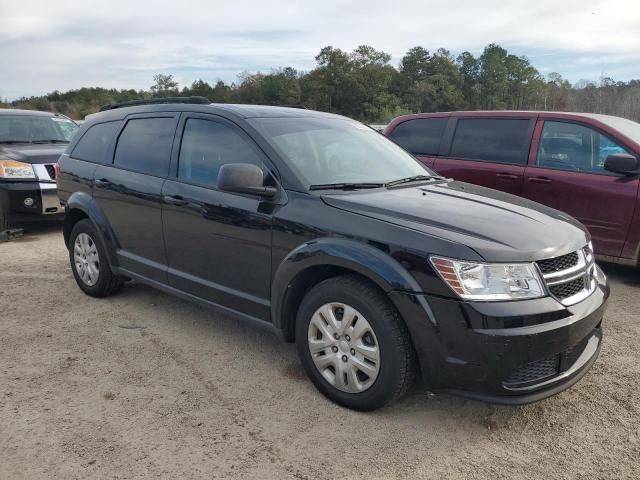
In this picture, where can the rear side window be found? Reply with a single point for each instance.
(492, 139)
(93, 145)
(145, 145)
(206, 146)
(421, 136)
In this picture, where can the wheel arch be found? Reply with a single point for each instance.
(82, 206)
(317, 260)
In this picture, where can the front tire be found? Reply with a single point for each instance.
(89, 263)
(353, 344)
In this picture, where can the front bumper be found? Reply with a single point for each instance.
(29, 199)
(504, 352)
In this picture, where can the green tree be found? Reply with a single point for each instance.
(164, 86)
(469, 67)
(430, 82)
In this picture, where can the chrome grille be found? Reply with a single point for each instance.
(569, 278)
(51, 170)
(568, 289)
(559, 263)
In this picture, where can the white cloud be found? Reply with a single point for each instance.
(47, 45)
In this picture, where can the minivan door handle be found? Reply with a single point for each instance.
(507, 176)
(103, 182)
(176, 200)
(539, 180)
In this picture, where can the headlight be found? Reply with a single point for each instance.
(490, 281)
(15, 169)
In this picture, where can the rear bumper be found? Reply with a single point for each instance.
(505, 352)
(29, 199)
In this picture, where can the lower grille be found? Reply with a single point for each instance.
(540, 370)
(534, 371)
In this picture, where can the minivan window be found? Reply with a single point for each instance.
(206, 146)
(573, 147)
(92, 147)
(145, 145)
(499, 140)
(420, 136)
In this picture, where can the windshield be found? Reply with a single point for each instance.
(31, 128)
(628, 128)
(327, 151)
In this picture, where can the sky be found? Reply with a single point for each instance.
(48, 45)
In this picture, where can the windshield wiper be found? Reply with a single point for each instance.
(345, 186)
(415, 178)
(53, 140)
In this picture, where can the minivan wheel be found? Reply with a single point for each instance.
(89, 262)
(353, 344)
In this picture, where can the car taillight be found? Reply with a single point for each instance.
(56, 167)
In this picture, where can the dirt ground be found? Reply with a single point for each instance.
(143, 385)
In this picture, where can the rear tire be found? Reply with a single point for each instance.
(88, 258)
(353, 344)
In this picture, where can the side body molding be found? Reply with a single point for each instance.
(372, 263)
(85, 203)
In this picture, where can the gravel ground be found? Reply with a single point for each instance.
(145, 385)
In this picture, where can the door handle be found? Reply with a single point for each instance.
(103, 182)
(539, 180)
(507, 176)
(176, 200)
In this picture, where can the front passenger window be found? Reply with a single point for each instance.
(206, 146)
(573, 147)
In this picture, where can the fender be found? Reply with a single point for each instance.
(362, 258)
(86, 203)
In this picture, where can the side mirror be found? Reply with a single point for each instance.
(244, 178)
(622, 163)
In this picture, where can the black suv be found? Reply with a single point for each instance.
(320, 229)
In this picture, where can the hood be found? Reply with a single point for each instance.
(30, 153)
(499, 226)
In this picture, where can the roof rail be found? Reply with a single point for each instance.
(296, 105)
(154, 101)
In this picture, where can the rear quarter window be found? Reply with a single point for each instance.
(145, 145)
(93, 145)
(421, 136)
(499, 140)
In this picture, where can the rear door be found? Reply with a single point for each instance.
(128, 190)
(568, 174)
(491, 152)
(421, 137)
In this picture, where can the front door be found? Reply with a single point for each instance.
(218, 243)
(569, 175)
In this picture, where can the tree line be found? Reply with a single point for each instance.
(363, 84)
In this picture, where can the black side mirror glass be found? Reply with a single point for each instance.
(622, 163)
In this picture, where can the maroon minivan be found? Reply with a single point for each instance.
(583, 164)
